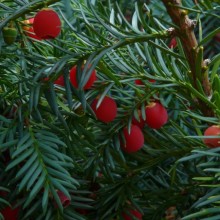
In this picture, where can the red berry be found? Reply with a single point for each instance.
(152, 80)
(47, 24)
(73, 78)
(214, 130)
(217, 37)
(9, 213)
(156, 115)
(133, 213)
(64, 199)
(173, 43)
(82, 211)
(45, 79)
(30, 21)
(107, 110)
(29, 30)
(139, 123)
(31, 34)
(60, 81)
(134, 140)
(139, 82)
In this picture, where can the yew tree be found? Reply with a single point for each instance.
(110, 109)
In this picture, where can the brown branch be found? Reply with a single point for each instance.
(195, 1)
(185, 32)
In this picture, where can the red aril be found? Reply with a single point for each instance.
(60, 81)
(132, 213)
(140, 82)
(134, 140)
(140, 123)
(47, 24)
(107, 110)
(152, 80)
(73, 78)
(29, 30)
(173, 43)
(156, 115)
(65, 201)
(10, 213)
(213, 130)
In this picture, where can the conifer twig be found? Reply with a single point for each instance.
(195, 1)
(185, 32)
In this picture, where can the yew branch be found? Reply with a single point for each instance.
(185, 32)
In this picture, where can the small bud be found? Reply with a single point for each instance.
(207, 62)
(204, 68)
(171, 31)
(145, 10)
(193, 23)
(9, 35)
(176, 2)
(184, 13)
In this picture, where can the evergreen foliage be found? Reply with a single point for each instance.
(51, 140)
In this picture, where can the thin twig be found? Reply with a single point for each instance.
(185, 32)
(195, 1)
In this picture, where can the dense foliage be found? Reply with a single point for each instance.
(54, 139)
